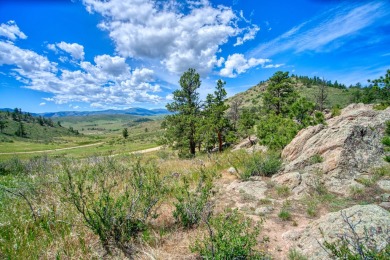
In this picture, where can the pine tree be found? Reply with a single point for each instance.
(215, 113)
(182, 127)
(280, 93)
(125, 133)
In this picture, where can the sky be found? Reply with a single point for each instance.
(115, 54)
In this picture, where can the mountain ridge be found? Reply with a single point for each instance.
(130, 111)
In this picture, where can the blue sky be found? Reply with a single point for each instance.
(92, 55)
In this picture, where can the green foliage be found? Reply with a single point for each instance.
(114, 206)
(125, 133)
(303, 112)
(190, 205)
(279, 94)
(246, 122)
(336, 111)
(284, 214)
(293, 254)
(261, 164)
(215, 125)
(316, 159)
(21, 131)
(181, 127)
(230, 236)
(12, 166)
(276, 131)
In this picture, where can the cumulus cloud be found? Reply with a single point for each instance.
(42, 103)
(107, 82)
(160, 30)
(237, 64)
(11, 31)
(74, 49)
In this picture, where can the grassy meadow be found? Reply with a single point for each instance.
(98, 135)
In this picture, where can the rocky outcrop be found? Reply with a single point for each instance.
(342, 150)
(368, 218)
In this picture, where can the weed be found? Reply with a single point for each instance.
(230, 236)
(316, 159)
(284, 214)
(282, 191)
(190, 205)
(294, 254)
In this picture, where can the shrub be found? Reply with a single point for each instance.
(260, 164)
(293, 254)
(12, 166)
(230, 236)
(284, 214)
(276, 131)
(115, 205)
(190, 205)
(336, 111)
(316, 159)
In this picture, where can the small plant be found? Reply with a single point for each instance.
(282, 191)
(316, 159)
(311, 208)
(336, 111)
(190, 205)
(284, 214)
(230, 236)
(293, 254)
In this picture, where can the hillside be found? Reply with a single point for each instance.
(336, 95)
(26, 127)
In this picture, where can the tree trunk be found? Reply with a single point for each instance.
(192, 147)
(219, 141)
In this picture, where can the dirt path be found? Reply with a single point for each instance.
(140, 151)
(54, 150)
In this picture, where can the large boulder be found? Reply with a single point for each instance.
(368, 220)
(342, 150)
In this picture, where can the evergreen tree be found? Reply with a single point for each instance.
(3, 124)
(279, 94)
(125, 133)
(246, 124)
(215, 113)
(321, 96)
(21, 131)
(181, 127)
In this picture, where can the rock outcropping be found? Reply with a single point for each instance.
(368, 220)
(347, 147)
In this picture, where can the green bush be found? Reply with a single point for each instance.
(12, 166)
(276, 131)
(114, 204)
(316, 159)
(230, 236)
(386, 140)
(261, 164)
(190, 205)
(336, 111)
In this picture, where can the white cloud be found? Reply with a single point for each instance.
(237, 64)
(11, 31)
(160, 31)
(106, 83)
(42, 104)
(327, 31)
(250, 35)
(74, 49)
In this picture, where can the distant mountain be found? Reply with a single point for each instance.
(130, 111)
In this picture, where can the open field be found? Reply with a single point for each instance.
(100, 135)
